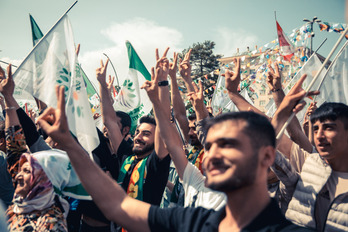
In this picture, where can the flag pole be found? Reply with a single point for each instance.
(314, 79)
(33, 49)
(330, 66)
(118, 83)
(8, 63)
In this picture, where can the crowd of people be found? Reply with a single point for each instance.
(178, 172)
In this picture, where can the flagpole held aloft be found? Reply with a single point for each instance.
(112, 65)
(330, 66)
(49, 31)
(313, 81)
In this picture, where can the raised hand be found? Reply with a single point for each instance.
(185, 66)
(32, 115)
(173, 67)
(54, 121)
(209, 107)
(151, 87)
(162, 64)
(292, 101)
(232, 78)
(6, 84)
(274, 79)
(101, 73)
(312, 107)
(197, 98)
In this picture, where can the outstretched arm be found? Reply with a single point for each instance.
(162, 65)
(108, 113)
(106, 193)
(178, 103)
(167, 130)
(294, 129)
(15, 141)
(290, 104)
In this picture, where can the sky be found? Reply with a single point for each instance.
(103, 26)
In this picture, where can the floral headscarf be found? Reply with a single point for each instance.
(41, 194)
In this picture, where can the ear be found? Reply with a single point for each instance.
(125, 130)
(267, 156)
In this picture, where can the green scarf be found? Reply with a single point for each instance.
(137, 178)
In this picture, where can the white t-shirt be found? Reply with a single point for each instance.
(196, 194)
(297, 157)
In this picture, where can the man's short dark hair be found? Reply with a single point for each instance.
(331, 111)
(192, 116)
(147, 119)
(125, 119)
(258, 128)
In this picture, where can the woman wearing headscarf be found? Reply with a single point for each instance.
(40, 179)
(35, 204)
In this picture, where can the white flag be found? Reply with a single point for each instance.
(335, 85)
(52, 62)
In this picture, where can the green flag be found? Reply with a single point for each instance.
(35, 30)
(131, 98)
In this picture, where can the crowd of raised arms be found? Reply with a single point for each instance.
(206, 172)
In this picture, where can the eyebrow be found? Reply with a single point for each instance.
(325, 124)
(146, 131)
(223, 140)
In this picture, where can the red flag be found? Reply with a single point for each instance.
(286, 48)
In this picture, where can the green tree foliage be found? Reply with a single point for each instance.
(203, 60)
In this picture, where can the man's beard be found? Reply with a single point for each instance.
(194, 141)
(144, 150)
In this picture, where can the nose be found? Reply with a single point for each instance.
(19, 175)
(138, 137)
(212, 153)
(191, 131)
(320, 133)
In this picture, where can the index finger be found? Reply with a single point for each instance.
(298, 85)
(60, 99)
(276, 69)
(9, 71)
(157, 56)
(201, 87)
(188, 55)
(195, 87)
(237, 68)
(175, 58)
(165, 52)
(106, 64)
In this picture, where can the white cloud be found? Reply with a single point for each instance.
(228, 40)
(145, 36)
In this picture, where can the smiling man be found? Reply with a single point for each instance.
(318, 196)
(240, 148)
